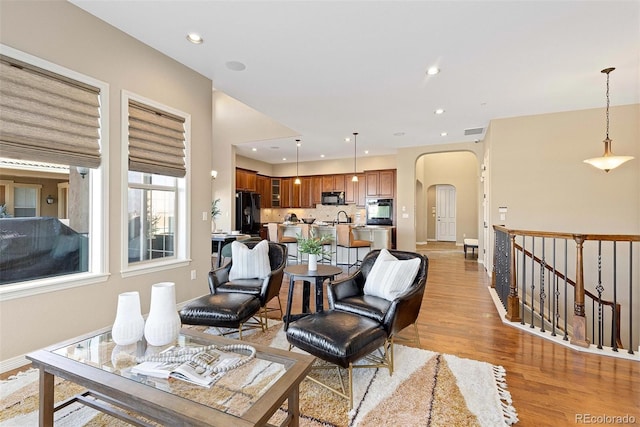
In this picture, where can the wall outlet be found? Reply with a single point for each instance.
(193, 275)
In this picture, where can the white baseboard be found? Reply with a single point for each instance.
(592, 349)
(13, 363)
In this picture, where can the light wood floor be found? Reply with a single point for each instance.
(549, 384)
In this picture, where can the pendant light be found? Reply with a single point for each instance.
(608, 161)
(297, 180)
(355, 177)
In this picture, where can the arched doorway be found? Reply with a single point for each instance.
(457, 175)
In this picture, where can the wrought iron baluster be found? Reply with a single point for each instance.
(600, 290)
(631, 343)
(614, 343)
(523, 279)
(543, 295)
(566, 286)
(533, 284)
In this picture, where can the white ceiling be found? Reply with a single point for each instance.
(328, 68)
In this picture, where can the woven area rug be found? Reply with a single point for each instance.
(426, 389)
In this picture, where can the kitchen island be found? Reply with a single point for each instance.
(380, 236)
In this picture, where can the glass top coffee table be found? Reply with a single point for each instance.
(246, 396)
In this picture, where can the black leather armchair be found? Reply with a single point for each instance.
(357, 324)
(348, 295)
(265, 289)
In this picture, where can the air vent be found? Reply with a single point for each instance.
(473, 131)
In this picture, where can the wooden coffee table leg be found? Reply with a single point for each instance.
(294, 406)
(45, 414)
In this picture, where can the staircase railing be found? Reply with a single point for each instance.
(532, 277)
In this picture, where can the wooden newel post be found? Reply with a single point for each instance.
(513, 302)
(579, 336)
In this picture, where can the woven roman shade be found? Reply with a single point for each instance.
(156, 141)
(47, 117)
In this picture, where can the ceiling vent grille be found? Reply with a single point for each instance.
(473, 131)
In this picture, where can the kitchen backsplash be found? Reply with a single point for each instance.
(320, 213)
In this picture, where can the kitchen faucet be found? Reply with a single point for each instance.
(338, 216)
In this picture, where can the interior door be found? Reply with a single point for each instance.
(446, 213)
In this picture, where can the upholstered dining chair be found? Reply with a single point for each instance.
(265, 288)
(366, 312)
(276, 234)
(346, 239)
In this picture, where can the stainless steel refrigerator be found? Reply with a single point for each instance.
(248, 212)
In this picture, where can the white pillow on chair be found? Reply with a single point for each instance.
(249, 263)
(390, 277)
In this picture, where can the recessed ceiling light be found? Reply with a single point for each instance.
(439, 111)
(254, 149)
(443, 134)
(284, 158)
(322, 155)
(235, 66)
(432, 71)
(195, 38)
(366, 151)
(347, 139)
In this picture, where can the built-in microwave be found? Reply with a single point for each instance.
(379, 211)
(333, 198)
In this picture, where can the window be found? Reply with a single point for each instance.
(155, 231)
(50, 114)
(152, 214)
(25, 200)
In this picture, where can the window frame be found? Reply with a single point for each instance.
(182, 256)
(98, 202)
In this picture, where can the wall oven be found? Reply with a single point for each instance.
(379, 211)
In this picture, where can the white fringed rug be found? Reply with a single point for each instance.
(426, 389)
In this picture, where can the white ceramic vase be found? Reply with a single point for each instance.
(129, 324)
(163, 323)
(313, 262)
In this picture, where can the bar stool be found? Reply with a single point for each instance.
(346, 239)
(276, 234)
(327, 247)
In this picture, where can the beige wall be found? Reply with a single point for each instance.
(459, 169)
(537, 172)
(61, 33)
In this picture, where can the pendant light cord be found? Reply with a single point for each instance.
(607, 105)
(355, 142)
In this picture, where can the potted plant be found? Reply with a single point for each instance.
(215, 212)
(314, 247)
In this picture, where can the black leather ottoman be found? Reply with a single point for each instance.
(336, 336)
(224, 310)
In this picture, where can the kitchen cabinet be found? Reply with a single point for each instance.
(316, 190)
(263, 187)
(355, 192)
(286, 199)
(295, 194)
(333, 183)
(381, 183)
(246, 180)
(306, 199)
(275, 192)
